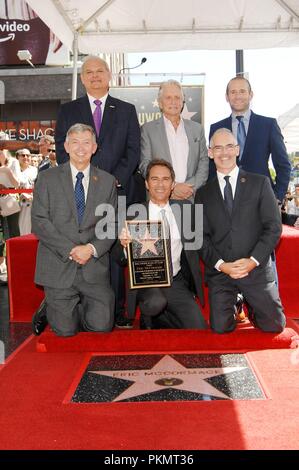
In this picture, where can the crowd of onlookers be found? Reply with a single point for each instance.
(20, 172)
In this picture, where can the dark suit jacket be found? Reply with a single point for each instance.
(263, 139)
(55, 223)
(190, 267)
(118, 150)
(253, 229)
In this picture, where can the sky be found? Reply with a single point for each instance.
(273, 74)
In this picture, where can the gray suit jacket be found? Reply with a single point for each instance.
(54, 222)
(154, 144)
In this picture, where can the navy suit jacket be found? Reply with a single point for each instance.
(263, 139)
(118, 150)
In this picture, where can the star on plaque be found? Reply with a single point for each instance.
(148, 243)
(155, 103)
(168, 373)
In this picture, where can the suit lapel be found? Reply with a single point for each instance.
(90, 200)
(85, 111)
(67, 184)
(108, 117)
(252, 132)
(163, 138)
(240, 190)
(192, 147)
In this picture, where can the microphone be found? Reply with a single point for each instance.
(143, 60)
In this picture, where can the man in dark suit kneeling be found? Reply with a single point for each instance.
(174, 306)
(242, 226)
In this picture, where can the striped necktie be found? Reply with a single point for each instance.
(241, 135)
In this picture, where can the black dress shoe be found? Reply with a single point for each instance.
(39, 319)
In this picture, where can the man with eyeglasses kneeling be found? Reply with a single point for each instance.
(242, 226)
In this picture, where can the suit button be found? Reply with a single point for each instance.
(80, 231)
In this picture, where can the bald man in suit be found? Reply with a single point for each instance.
(118, 144)
(242, 226)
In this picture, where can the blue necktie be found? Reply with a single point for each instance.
(241, 135)
(97, 116)
(80, 196)
(228, 195)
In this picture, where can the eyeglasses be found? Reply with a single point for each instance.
(24, 155)
(221, 148)
(52, 150)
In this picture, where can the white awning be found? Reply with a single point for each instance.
(167, 25)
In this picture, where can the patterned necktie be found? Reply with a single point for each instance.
(168, 240)
(80, 196)
(97, 116)
(241, 135)
(228, 195)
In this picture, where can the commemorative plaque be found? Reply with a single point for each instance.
(149, 254)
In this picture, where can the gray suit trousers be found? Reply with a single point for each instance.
(82, 307)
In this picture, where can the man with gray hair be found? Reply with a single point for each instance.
(72, 262)
(179, 141)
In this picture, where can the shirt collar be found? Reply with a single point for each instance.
(92, 98)
(233, 174)
(157, 209)
(75, 171)
(246, 115)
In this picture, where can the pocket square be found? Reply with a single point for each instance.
(111, 106)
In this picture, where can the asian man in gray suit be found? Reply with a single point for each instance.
(73, 255)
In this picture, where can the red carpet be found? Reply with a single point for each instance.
(33, 416)
(245, 338)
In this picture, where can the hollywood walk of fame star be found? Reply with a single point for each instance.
(148, 243)
(155, 103)
(169, 373)
(187, 114)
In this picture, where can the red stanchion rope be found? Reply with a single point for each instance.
(15, 191)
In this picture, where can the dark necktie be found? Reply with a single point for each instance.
(97, 116)
(80, 196)
(168, 240)
(241, 135)
(228, 195)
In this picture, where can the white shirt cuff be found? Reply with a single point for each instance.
(95, 253)
(219, 262)
(253, 259)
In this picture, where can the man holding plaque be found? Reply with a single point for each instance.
(173, 306)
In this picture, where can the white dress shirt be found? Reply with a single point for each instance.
(179, 149)
(175, 237)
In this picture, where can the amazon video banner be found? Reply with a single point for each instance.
(22, 29)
